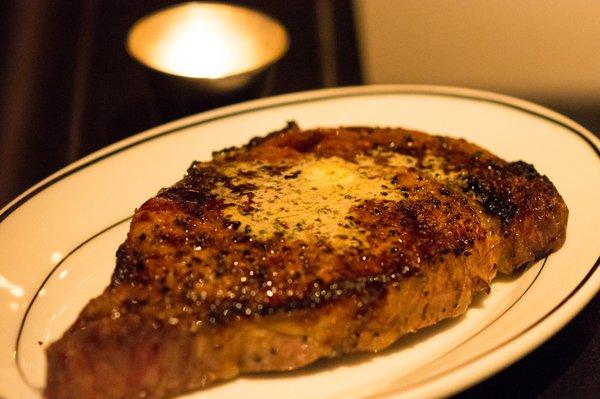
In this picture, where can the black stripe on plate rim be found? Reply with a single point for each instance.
(35, 296)
(324, 97)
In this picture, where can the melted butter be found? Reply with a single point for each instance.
(312, 199)
(329, 172)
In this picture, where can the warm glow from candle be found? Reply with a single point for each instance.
(207, 40)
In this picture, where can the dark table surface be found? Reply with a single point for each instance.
(67, 88)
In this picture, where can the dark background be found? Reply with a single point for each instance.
(67, 88)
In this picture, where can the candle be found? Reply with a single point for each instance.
(207, 41)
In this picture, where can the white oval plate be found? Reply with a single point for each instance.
(58, 239)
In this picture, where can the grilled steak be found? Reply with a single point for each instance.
(298, 246)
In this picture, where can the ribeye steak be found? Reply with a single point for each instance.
(301, 245)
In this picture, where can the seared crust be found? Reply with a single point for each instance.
(199, 295)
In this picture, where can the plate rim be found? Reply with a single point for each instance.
(296, 98)
(509, 351)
